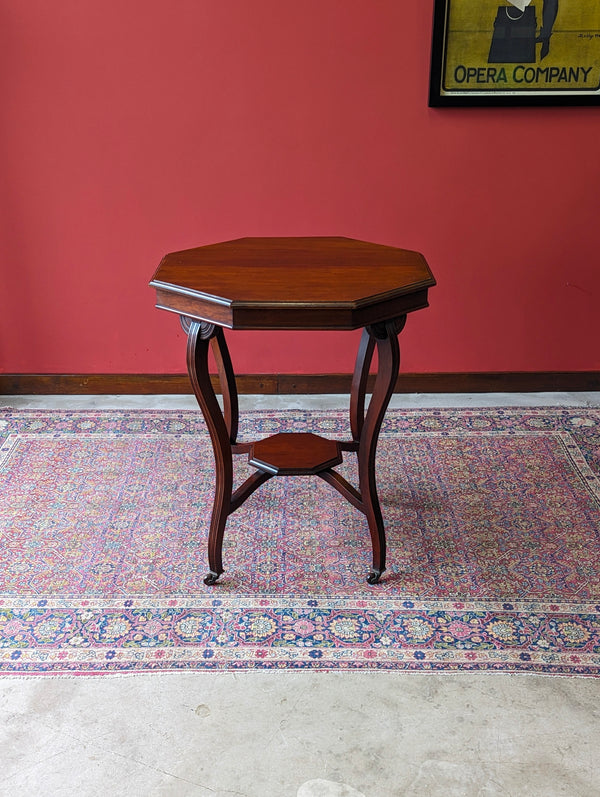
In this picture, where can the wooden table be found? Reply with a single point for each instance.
(297, 284)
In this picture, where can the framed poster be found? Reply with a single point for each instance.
(515, 52)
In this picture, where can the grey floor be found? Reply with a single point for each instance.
(301, 734)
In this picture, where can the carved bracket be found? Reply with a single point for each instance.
(381, 330)
(207, 330)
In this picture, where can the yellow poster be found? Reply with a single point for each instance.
(544, 49)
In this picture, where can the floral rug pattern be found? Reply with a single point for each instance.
(492, 519)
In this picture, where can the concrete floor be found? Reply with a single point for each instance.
(302, 734)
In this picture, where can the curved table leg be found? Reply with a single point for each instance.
(222, 430)
(227, 380)
(385, 337)
(359, 384)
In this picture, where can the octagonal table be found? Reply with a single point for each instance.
(294, 284)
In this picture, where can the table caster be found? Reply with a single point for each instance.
(211, 579)
(374, 576)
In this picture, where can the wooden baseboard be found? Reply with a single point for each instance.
(124, 384)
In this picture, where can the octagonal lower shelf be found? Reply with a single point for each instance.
(295, 454)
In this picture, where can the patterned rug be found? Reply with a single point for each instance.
(493, 526)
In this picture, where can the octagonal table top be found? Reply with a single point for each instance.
(293, 283)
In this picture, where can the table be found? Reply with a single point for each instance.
(321, 283)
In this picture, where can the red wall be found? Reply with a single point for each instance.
(132, 129)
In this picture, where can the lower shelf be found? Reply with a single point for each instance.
(295, 454)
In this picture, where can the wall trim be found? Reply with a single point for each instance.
(478, 382)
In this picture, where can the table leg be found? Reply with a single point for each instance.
(365, 430)
(359, 384)
(222, 429)
(227, 380)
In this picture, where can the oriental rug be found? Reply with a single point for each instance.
(493, 528)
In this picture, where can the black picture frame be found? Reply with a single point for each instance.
(479, 82)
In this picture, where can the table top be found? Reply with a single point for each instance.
(293, 283)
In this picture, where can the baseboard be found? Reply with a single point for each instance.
(123, 384)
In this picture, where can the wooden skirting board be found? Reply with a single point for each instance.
(122, 384)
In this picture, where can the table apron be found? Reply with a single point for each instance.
(307, 318)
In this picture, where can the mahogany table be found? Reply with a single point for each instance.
(297, 284)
